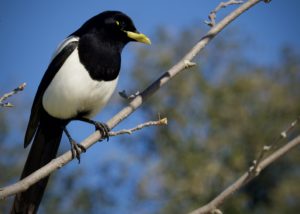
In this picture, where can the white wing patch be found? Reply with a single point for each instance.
(64, 44)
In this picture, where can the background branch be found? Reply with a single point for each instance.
(9, 94)
(246, 178)
(133, 105)
(267, 148)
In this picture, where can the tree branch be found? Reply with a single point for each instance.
(134, 104)
(9, 94)
(160, 122)
(246, 178)
(213, 14)
(267, 148)
(24, 184)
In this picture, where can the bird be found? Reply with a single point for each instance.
(79, 81)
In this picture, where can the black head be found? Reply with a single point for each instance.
(112, 26)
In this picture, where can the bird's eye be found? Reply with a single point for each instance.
(118, 23)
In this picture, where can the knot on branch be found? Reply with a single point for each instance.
(188, 64)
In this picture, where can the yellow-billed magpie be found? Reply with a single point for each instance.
(78, 82)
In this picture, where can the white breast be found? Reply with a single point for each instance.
(73, 91)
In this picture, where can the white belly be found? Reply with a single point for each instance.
(73, 91)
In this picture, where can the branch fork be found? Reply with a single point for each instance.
(213, 14)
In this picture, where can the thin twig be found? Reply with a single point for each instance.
(213, 14)
(266, 148)
(132, 106)
(160, 122)
(246, 178)
(9, 94)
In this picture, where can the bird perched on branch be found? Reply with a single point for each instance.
(78, 82)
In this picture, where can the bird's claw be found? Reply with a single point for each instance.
(103, 129)
(76, 149)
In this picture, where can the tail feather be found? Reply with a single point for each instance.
(43, 150)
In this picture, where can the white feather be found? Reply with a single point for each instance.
(63, 44)
(72, 91)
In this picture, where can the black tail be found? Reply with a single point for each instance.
(43, 150)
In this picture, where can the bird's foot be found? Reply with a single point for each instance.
(103, 129)
(76, 148)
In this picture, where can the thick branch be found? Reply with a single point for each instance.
(246, 178)
(135, 103)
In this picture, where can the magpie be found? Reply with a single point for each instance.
(77, 84)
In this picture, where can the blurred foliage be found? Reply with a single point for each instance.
(220, 115)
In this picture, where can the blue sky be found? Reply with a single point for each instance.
(32, 29)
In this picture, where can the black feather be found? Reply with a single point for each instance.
(43, 150)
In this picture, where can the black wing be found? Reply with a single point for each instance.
(63, 53)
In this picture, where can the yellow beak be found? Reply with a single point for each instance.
(139, 37)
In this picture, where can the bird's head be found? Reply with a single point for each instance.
(114, 26)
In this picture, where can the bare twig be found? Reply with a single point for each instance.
(285, 133)
(246, 178)
(160, 122)
(267, 148)
(132, 106)
(9, 94)
(213, 14)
